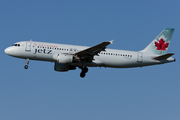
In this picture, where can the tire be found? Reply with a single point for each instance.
(83, 74)
(85, 70)
(26, 67)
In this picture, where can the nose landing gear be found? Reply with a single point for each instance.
(27, 62)
(83, 72)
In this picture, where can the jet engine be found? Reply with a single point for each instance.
(63, 58)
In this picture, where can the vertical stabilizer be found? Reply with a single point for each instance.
(161, 43)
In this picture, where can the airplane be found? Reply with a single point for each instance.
(69, 57)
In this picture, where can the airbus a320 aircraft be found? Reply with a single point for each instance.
(69, 57)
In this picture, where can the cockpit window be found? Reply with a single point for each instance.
(16, 45)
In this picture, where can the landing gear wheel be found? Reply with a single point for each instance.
(26, 66)
(27, 62)
(85, 69)
(83, 74)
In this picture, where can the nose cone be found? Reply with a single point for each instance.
(8, 51)
(12, 51)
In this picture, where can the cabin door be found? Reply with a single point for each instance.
(28, 46)
(140, 57)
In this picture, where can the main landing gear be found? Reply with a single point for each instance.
(83, 72)
(27, 62)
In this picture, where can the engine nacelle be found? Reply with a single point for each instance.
(63, 58)
(63, 67)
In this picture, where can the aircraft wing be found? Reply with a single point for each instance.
(92, 51)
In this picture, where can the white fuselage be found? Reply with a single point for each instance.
(109, 58)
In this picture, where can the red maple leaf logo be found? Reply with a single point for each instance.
(161, 45)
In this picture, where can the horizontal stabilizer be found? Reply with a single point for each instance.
(163, 57)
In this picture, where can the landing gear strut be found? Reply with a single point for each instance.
(83, 72)
(27, 62)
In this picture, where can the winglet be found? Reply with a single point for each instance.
(111, 41)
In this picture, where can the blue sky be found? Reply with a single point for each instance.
(148, 93)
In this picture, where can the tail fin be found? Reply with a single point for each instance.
(161, 43)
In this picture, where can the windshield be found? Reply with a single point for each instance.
(16, 45)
